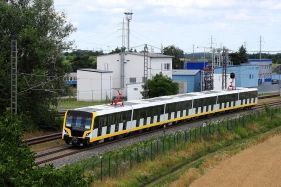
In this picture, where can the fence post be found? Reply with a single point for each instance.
(151, 150)
(109, 164)
(116, 156)
(131, 157)
(163, 144)
(227, 123)
(175, 140)
(157, 147)
(101, 167)
(84, 169)
(138, 153)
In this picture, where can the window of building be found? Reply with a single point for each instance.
(167, 66)
(133, 80)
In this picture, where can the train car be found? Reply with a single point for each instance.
(94, 124)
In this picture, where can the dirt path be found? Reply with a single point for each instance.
(257, 166)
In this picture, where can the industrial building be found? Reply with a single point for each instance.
(129, 68)
(245, 76)
(265, 70)
(94, 85)
(191, 79)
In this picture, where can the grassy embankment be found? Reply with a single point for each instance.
(188, 161)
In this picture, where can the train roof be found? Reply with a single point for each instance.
(134, 104)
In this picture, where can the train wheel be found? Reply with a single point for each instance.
(67, 140)
(86, 143)
(120, 136)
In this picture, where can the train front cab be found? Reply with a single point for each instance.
(76, 127)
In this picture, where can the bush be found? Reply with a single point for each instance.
(17, 162)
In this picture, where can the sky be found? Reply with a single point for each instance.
(191, 25)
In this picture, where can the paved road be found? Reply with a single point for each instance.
(269, 87)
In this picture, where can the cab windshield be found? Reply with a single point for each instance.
(78, 122)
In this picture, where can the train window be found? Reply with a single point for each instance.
(68, 121)
(107, 123)
(197, 103)
(88, 122)
(98, 124)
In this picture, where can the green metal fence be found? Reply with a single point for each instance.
(115, 163)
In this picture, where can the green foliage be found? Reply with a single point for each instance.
(40, 31)
(16, 160)
(17, 166)
(240, 57)
(82, 61)
(160, 85)
(177, 53)
(276, 58)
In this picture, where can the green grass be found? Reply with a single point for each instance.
(72, 103)
(274, 66)
(196, 156)
(267, 93)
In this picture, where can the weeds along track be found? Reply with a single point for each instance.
(51, 155)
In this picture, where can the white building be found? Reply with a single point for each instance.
(132, 70)
(94, 85)
(218, 82)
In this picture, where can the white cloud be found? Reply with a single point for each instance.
(179, 22)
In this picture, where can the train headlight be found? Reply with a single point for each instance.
(88, 134)
(66, 132)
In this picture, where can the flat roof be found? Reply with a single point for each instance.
(185, 72)
(95, 70)
(151, 55)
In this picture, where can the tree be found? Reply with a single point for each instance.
(160, 85)
(17, 162)
(240, 57)
(40, 32)
(177, 53)
(82, 61)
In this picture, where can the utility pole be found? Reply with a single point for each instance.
(224, 64)
(193, 52)
(211, 43)
(145, 71)
(128, 18)
(260, 48)
(14, 78)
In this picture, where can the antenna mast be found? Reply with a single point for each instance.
(128, 18)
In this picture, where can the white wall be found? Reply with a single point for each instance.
(133, 91)
(157, 66)
(133, 68)
(113, 64)
(93, 86)
(218, 81)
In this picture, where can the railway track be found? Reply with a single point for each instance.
(57, 136)
(43, 139)
(65, 151)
